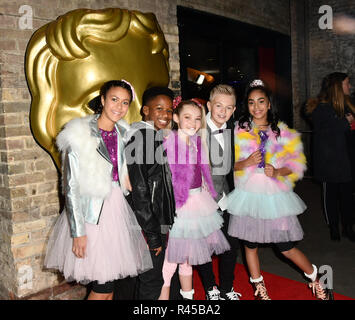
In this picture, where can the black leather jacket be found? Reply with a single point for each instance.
(152, 191)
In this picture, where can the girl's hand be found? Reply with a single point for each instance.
(270, 171)
(79, 246)
(127, 183)
(254, 159)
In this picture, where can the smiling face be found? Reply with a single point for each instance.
(160, 111)
(221, 108)
(189, 120)
(115, 107)
(258, 105)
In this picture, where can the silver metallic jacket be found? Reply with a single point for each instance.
(87, 170)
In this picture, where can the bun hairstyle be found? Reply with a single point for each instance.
(245, 121)
(96, 105)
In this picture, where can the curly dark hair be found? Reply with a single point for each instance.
(151, 93)
(245, 119)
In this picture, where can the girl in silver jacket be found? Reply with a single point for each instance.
(97, 238)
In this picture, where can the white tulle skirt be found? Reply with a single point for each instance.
(116, 247)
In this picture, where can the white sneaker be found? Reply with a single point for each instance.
(232, 295)
(213, 293)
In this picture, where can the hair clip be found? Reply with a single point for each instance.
(132, 89)
(197, 102)
(176, 101)
(257, 83)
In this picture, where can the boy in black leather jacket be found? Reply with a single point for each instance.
(152, 194)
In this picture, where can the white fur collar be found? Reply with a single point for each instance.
(94, 172)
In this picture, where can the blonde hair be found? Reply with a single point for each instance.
(223, 89)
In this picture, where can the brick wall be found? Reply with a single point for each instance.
(330, 51)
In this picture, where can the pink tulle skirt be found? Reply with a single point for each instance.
(115, 249)
(196, 235)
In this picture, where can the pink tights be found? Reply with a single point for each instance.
(169, 269)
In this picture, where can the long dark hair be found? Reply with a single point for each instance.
(245, 119)
(96, 105)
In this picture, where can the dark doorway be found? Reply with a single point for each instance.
(215, 49)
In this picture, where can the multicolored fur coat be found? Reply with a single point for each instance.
(283, 151)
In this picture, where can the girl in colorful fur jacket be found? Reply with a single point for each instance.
(269, 159)
(195, 235)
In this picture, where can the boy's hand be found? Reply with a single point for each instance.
(157, 250)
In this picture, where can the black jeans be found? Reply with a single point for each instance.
(149, 283)
(337, 197)
(227, 262)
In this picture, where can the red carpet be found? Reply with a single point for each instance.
(279, 288)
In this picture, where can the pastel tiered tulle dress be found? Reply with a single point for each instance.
(195, 235)
(262, 211)
(115, 246)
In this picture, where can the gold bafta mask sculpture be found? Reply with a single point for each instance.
(69, 59)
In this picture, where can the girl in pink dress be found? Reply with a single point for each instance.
(195, 235)
(97, 238)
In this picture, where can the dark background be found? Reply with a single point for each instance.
(234, 53)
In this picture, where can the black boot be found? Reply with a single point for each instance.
(334, 233)
(349, 233)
